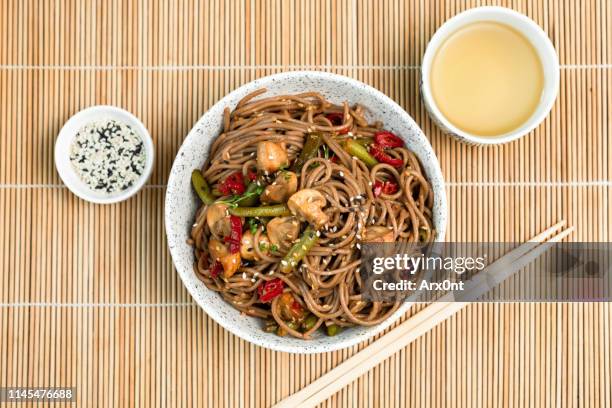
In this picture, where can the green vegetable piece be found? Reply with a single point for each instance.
(280, 210)
(299, 250)
(292, 325)
(310, 149)
(253, 225)
(250, 196)
(333, 329)
(271, 327)
(364, 141)
(309, 322)
(356, 149)
(201, 187)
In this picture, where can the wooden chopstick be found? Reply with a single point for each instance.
(417, 325)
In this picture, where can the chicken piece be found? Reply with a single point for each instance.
(219, 253)
(271, 156)
(247, 250)
(218, 220)
(285, 184)
(308, 204)
(282, 231)
(230, 263)
(247, 246)
(377, 233)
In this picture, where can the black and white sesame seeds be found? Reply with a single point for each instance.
(108, 155)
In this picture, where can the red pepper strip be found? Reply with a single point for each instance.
(334, 159)
(380, 155)
(235, 234)
(271, 289)
(252, 175)
(216, 269)
(377, 188)
(385, 139)
(388, 187)
(337, 119)
(297, 310)
(233, 184)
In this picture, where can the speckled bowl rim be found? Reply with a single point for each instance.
(193, 153)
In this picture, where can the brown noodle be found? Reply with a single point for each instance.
(327, 284)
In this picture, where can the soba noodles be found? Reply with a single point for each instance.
(292, 188)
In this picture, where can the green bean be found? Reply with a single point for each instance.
(280, 210)
(201, 187)
(333, 329)
(299, 250)
(356, 149)
(364, 141)
(309, 322)
(310, 149)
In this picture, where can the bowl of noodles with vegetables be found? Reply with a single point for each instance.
(275, 190)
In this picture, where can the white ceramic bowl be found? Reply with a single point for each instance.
(62, 152)
(531, 31)
(182, 203)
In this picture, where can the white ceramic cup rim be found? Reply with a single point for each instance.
(62, 153)
(532, 31)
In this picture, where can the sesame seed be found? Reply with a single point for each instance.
(358, 246)
(244, 275)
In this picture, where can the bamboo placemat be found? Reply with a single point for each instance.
(88, 294)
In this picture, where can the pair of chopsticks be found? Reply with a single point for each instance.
(398, 338)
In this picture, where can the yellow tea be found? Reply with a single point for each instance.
(487, 78)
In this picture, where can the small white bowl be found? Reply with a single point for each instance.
(62, 153)
(531, 31)
(182, 203)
